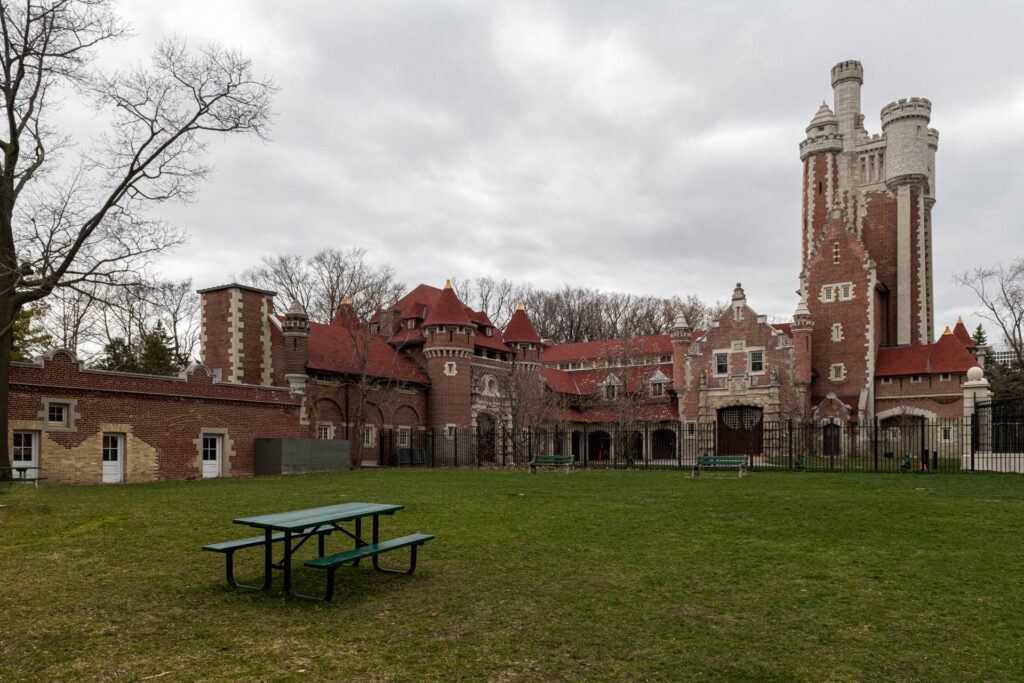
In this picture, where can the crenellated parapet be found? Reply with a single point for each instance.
(912, 108)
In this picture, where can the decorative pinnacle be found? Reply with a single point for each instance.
(947, 331)
(447, 284)
(738, 292)
(959, 320)
(346, 302)
(519, 306)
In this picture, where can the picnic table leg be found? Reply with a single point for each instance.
(268, 558)
(359, 538)
(288, 561)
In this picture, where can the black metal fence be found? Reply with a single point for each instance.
(990, 440)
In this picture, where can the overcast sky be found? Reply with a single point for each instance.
(647, 147)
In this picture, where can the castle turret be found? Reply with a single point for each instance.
(295, 330)
(448, 350)
(522, 338)
(681, 337)
(847, 78)
(910, 144)
(802, 328)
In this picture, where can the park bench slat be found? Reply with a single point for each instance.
(338, 559)
(227, 546)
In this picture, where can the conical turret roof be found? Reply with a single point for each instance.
(823, 116)
(520, 330)
(447, 310)
(960, 332)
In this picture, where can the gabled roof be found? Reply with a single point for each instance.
(333, 348)
(946, 355)
(520, 330)
(587, 382)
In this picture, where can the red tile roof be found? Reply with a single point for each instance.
(585, 382)
(559, 380)
(946, 355)
(520, 330)
(611, 348)
(333, 348)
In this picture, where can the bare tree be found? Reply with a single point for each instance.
(322, 281)
(1000, 289)
(66, 224)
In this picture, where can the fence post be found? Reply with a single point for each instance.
(789, 425)
(923, 467)
(974, 435)
(875, 449)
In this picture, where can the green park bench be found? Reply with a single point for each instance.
(551, 461)
(720, 462)
(332, 562)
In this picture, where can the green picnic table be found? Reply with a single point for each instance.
(9, 475)
(292, 529)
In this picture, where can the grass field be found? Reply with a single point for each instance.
(595, 575)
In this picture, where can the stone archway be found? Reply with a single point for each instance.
(599, 445)
(663, 444)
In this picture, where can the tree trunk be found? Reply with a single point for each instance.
(6, 341)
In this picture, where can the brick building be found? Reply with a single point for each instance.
(860, 346)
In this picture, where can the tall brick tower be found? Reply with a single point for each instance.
(448, 350)
(886, 185)
(866, 235)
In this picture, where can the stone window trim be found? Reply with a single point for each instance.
(70, 410)
(451, 368)
(325, 431)
(837, 291)
(887, 380)
(835, 253)
(369, 436)
(404, 436)
(945, 377)
(227, 448)
(755, 358)
(837, 372)
(721, 358)
(657, 389)
(691, 429)
(837, 332)
(915, 379)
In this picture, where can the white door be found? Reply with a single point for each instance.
(25, 451)
(113, 458)
(211, 456)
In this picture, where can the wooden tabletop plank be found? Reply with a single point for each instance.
(300, 519)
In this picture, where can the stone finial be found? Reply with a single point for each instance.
(802, 311)
(738, 294)
(681, 323)
(296, 310)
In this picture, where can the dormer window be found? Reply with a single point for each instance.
(609, 391)
(489, 331)
(657, 389)
(412, 324)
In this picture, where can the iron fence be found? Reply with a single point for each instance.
(987, 441)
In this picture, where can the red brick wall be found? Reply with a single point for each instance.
(162, 417)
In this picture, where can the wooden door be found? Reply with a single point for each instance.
(740, 431)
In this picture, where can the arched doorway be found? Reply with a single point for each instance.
(485, 437)
(740, 430)
(663, 444)
(599, 445)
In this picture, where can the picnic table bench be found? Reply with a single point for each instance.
(551, 461)
(9, 475)
(292, 529)
(720, 462)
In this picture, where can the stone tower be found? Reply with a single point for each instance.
(885, 184)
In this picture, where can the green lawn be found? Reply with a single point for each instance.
(594, 575)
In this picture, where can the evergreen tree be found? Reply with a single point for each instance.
(119, 356)
(29, 336)
(980, 340)
(156, 353)
(153, 354)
